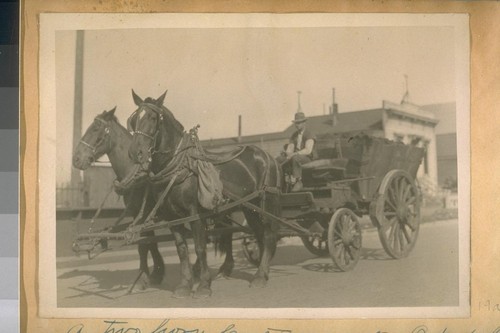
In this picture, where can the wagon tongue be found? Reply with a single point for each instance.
(136, 177)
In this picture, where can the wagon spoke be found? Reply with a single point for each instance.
(407, 235)
(402, 188)
(391, 204)
(395, 236)
(343, 221)
(396, 190)
(400, 238)
(345, 255)
(406, 193)
(351, 255)
(411, 200)
(389, 214)
(337, 242)
(338, 233)
(391, 232)
(392, 198)
(393, 221)
(350, 226)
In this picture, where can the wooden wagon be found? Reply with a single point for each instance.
(354, 176)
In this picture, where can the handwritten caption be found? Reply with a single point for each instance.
(425, 329)
(114, 326)
(489, 306)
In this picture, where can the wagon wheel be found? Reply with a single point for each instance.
(344, 239)
(396, 212)
(251, 250)
(315, 245)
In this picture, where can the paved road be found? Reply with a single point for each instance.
(428, 277)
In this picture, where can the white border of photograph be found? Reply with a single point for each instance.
(50, 23)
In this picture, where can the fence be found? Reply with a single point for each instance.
(69, 195)
(91, 192)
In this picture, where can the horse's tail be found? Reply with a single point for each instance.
(221, 242)
(219, 246)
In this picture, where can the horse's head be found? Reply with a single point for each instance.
(155, 130)
(95, 142)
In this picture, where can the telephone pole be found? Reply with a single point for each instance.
(78, 101)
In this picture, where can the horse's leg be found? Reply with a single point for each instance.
(156, 276)
(269, 248)
(200, 244)
(226, 247)
(197, 270)
(143, 265)
(184, 288)
(265, 232)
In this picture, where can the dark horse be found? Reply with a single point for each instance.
(158, 141)
(106, 136)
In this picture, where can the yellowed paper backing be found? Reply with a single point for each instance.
(484, 83)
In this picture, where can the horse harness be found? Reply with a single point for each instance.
(93, 148)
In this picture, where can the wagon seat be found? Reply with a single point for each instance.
(329, 164)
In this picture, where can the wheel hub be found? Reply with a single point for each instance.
(402, 213)
(347, 237)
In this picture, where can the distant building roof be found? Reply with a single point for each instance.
(355, 121)
(346, 122)
(446, 113)
(245, 139)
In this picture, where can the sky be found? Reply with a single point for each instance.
(213, 75)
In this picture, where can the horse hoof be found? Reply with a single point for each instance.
(222, 275)
(156, 278)
(202, 292)
(182, 292)
(144, 282)
(258, 282)
(225, 272)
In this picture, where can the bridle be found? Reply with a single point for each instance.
(152, 149)
(106, 133)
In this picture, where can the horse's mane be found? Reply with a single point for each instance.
(177, 125)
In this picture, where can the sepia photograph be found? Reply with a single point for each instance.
(254, 165)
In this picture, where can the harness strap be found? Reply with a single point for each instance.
(100, 208)
(144, 134)
(160, 200)
(141, 211)
(291, 225)
(196, 217)
(94, 148)
(89, 146)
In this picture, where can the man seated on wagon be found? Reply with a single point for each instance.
(299, 151)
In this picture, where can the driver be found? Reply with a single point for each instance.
(299, 151)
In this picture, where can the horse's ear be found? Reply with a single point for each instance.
(137, 100)
(161, 99)
(107, 115)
